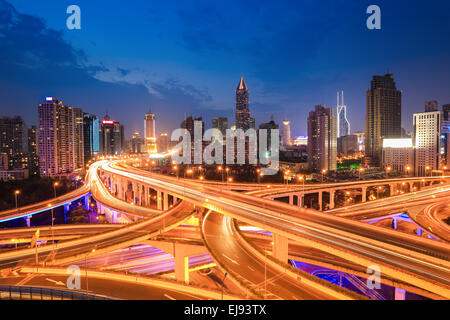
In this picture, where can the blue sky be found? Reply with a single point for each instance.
(186, 57)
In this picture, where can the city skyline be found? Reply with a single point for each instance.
(209, 91)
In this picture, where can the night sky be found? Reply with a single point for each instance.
(186, 57)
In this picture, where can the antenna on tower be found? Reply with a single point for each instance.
(343, 98)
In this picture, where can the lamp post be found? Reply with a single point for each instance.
(302, 179)
(407, 170)
(220, 169)
(359, 173)
(324, 171)
(53, 234)
(258, 175)
(16, 194)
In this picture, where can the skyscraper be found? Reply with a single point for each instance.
(286, 133)
(343, 125)
(57, 138)
(383, 116)
(13, 142)
(91, 137)
(111, 137)
(427, 141)
(150, 132)
(220, 123)
(78, 138)
(243, 120)
(322, 139)
(163, 143)
(33, 153)
(136, 143)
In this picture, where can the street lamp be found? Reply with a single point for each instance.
(407, 170)
(220, 169)
(359, 172)
(427, 168)
(16, 194)
(302, 179)
(324, 171)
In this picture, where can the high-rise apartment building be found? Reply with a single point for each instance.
(163, 143)
(78, 138)
(398, 155)
(58, 135)
(343, 125)
(383, 116)
(322, 139)
(13, 142)
(33, 151)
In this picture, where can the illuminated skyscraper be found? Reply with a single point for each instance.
(286, 133)
(111, 137)
(383, 116)
(322, 139)
(78, 138)
(220, 123)
(57, 138)
(150, 132)
(343, 125)
(243, 120)
(13, 142)
(33, 154)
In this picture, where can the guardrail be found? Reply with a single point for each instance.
(44, 293)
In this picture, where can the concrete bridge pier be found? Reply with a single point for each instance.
(28, 220)
(165, 201)
(320, 201)
(332, 204)
(364, 194)
(280, 247)
(394, 223)
(159, 200)
(399, 294)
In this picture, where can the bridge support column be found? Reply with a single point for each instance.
(301, 200)
(174, 199)
(320, 201)
(332, 193)
(280, 248)
(394, 223)
(364, 194)
(86, 202)
(393, 189)
(182, 268)
(411, 186)
(399, 294)
(112, 185)
(159, 200)
(419, 231)
(28, 220)
(120, 192)
(135, 192)
(166, 201)
(291, 199)
(149, 197)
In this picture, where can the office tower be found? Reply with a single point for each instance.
(33, 152)
(13, 142)
(383, 116)
(445, 137)
(271, 125)
(137, 143)
(91, 137)
(322, 139)
(163, 143)
(243, 120)
(347, 145)
(220, 123)
(57, 138)
(252, 123)
(398, 155)
(189, 123)
(150, 132)
(112, 139)
(78, 138)
(427, 141)
(343, 125)
(286, 133)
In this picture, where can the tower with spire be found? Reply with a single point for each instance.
(243, 119)
(343, 125)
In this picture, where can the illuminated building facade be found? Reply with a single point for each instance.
(398, 155)
(91, 137)
(150, 132)
(286, 133)
(13, 142)
(111, 137)
(243, 120)
(343, 125)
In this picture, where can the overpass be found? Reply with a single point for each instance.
(416, 261)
